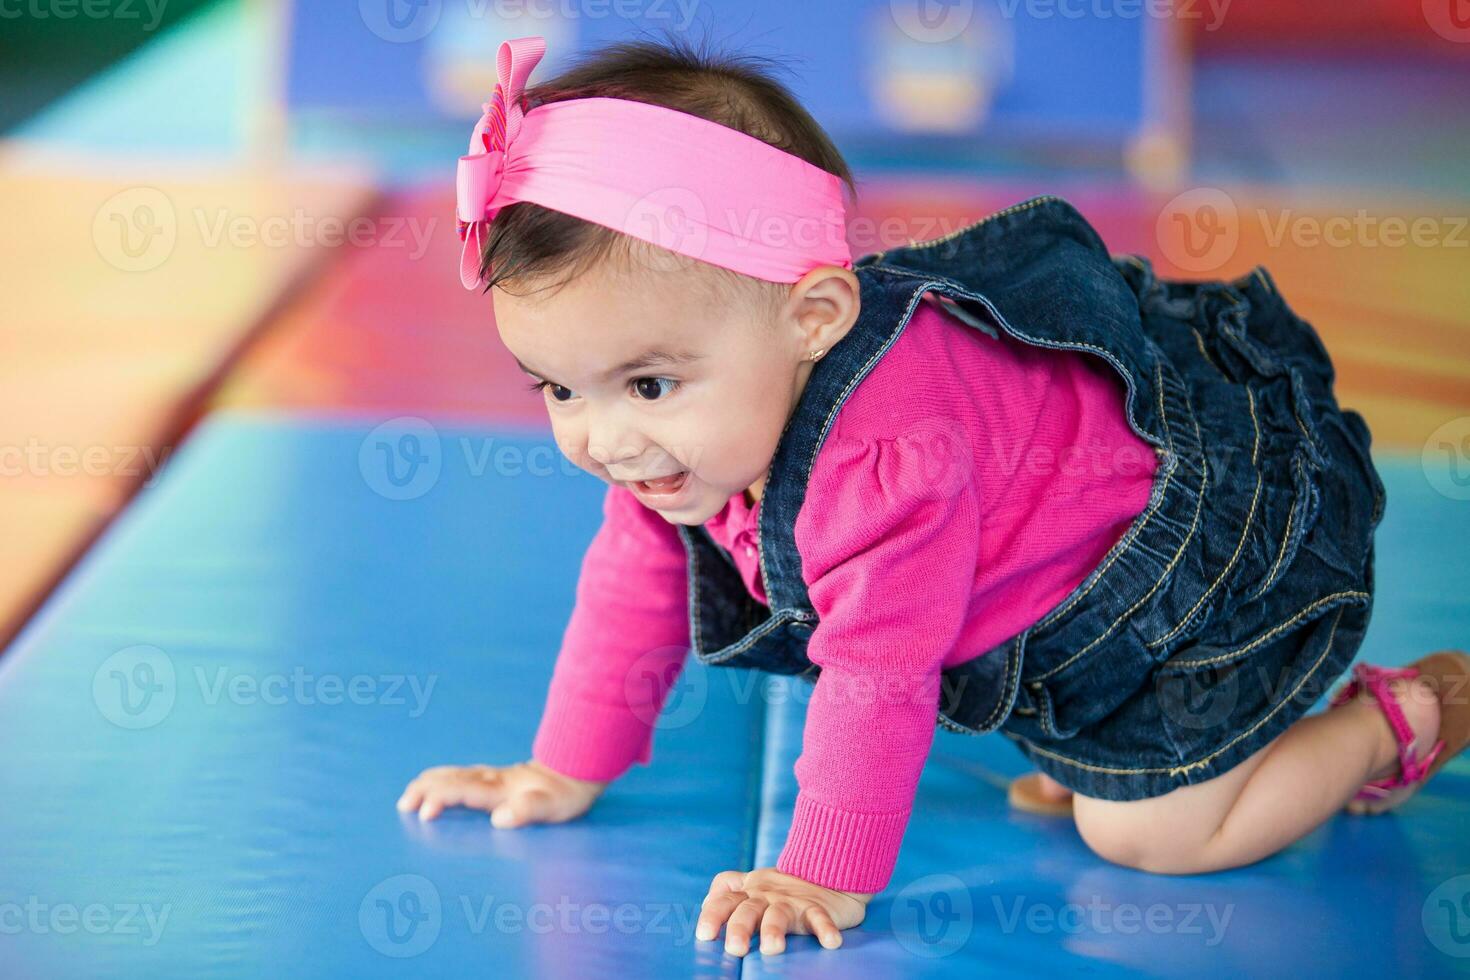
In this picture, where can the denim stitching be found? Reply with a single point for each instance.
(861, 376)
(820, 440)
(1127, 542)
(1200, 343)
(1250, 522)
(1280, 552)
(1013, 669)
(1063, 345)
(1046, 712)
(1168, 477)
(1013, 209)
(1288, 624)
(693, 588)
(1010, 686)
(1194, 526)
(1310, 440)
(1123, 546)
(1240, 308)
(1204, 760)
(1256, 447)
(1331, 634)
(738, 648)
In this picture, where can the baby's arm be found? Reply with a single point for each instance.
(623, 648)
(891, 576)
(890, 566)
(621, 652)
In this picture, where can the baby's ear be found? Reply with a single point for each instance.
(829, 300)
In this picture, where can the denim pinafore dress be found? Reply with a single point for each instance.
(1230, 604)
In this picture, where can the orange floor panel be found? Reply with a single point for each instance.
(126, 297)
(389, 331)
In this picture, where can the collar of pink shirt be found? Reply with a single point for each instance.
(738, 523)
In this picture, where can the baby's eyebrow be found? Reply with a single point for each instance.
(649, 358)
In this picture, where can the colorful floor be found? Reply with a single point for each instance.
(211, 714)
(210, 721)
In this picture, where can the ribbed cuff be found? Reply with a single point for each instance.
(842, 849)
(586, 740)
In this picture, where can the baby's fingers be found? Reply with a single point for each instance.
(724, 895)
(459, 792)
(527, 806)
(774, 926)
(822, 926)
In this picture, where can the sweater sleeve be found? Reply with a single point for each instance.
(889, 539)
(623, 647)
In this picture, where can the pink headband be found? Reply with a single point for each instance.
(669, 178)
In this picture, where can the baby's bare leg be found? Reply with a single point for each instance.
(1273, 798)
(1050, 789)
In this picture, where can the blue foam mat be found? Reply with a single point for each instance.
(254, 820)
(254, 823)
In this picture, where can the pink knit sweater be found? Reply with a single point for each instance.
(969, 483)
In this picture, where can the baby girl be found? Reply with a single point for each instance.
(1000, 481)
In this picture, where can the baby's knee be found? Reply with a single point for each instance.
(1137, 834)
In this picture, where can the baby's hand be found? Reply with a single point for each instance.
(527, 792)
(779, 904)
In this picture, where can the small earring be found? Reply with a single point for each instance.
(816, 355)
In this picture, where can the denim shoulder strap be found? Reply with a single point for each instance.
(1045, 276)
(887, 303)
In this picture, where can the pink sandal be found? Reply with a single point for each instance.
(1439, 669)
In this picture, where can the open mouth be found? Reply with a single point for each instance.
(663, 486)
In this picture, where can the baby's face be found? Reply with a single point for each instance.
(711, 391)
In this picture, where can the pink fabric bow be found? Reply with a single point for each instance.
(481, 170)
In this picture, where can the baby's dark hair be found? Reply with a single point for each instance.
(532, 244)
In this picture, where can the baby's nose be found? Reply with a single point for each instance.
(612, 457)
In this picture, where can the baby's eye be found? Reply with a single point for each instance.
(653, 388)
(558, 393)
